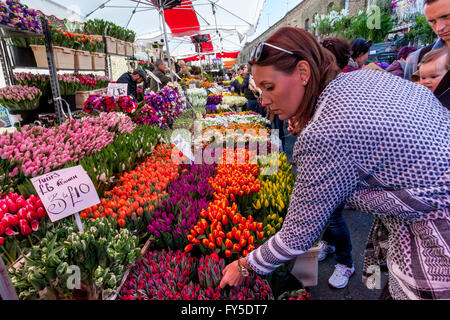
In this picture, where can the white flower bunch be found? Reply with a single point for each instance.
(234, 100)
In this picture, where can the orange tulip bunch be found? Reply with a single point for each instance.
(138, 191)
(228, 230)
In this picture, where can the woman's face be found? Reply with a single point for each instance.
(281, 92)
(362, 59)
(431, 73)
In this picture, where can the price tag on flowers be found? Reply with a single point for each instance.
(117, 89)
(65, 192)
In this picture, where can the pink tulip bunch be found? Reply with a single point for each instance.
(40, 150)
(20, 97)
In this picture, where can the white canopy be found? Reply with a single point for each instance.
(234, 20)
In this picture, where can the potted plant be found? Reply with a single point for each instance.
(68, 86)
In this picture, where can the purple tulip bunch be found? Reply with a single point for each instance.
(20, 97)
(169, 275)
(178, 214)
(39, 150)
(19, 16)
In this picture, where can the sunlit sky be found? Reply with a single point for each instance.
(273, 11)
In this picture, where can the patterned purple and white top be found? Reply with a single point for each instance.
(382, 144)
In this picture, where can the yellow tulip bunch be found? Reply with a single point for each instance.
(273, 198)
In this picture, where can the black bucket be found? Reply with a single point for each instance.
(22, 57)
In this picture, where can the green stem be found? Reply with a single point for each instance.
(31, 242)
(7, 255)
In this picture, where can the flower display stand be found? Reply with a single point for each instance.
(83, 60)
(306, 266)
(98, 61)
(128, 49)
(64, 57)
(82, 96)
(111, 45)
(120, 47)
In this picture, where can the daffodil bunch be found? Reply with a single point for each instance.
(272, 200)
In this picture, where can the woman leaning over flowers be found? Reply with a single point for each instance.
(371, 139)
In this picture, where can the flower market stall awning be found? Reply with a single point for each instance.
(228, 22)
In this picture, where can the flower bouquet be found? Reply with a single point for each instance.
(127, 104)
(234, 100)
(38, 150)
(68, 83)
(161, 108)
(197, 96)
(40, 81)
(20, 97)
(19, 16)
(170, 275)
(176, 216)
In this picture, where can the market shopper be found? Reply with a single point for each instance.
(236, 83)
(437, 13)
(397, 67)
(161, 70)
(336, 238)
(133, 79)
(367, 138)
(360, 54)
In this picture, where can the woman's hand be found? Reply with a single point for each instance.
(231, 275)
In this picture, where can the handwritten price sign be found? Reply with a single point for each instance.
(117, 89)
(65, 192)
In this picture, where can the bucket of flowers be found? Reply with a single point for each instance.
(18, 97)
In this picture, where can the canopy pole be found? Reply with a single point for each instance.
(165, 39)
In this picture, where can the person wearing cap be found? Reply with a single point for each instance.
(360, 54)
(397, 67)
(160, 71)
(132, 79)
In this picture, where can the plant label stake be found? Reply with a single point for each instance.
(66, 192)
(7, 291)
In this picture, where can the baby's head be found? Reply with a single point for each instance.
(433, 67)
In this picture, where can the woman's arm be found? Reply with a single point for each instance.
(325, 177)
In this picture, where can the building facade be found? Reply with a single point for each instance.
(302, 16)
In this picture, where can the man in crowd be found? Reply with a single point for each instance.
(132, 79)
(437, 13)
(160, 71)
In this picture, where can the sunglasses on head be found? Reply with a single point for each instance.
(326, 43)
(257, 51)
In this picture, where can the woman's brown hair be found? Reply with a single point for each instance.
(340, 48)
(321, 61)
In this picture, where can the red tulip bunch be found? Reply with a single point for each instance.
(18, 213)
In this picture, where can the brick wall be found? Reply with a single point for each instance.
(301, 16)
